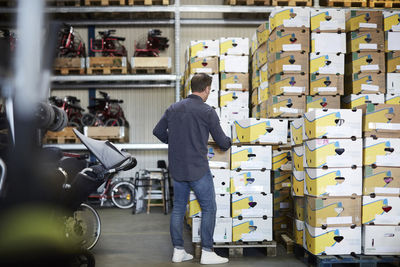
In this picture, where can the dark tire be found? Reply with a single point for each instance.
(44, 115)
(60, 121)
(88, 119)
(112, 122)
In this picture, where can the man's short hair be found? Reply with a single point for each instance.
(200, 81)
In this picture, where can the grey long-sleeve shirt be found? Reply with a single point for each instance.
(185, 127)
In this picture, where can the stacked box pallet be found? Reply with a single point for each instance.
(381, 187)
(327, 58)
(365, 62)
(332, 163)
(391, 26)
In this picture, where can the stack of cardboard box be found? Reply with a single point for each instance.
(392, 47)
(327, 58)
(333, 181)
(381, 188)
(365, 62)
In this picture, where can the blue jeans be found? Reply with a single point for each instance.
(205, 194)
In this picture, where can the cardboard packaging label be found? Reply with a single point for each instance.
(298, 158)
(263, 92)
(298, 228)
(235, 81)
(322, 102)
(298, 183)
(299, 208)
(252, 229)
(333, 153)
(366, 41)
(261, 55)
(391, 21)
(286, 106)
(383, 152)
(289, 17)
(392, 41)
(221, 179)
(392, 99)
(282, 223)
(381, 240)
(226, 128)
(237, 46)
(222, 201)
(288, 62)
(289, 84)
(333, 123)
(251, 158)
(264, 75)
(252, 205)
(326, 20)
(333, 182)
(381, 210)
(333, 212)
(332, 240)
(248, 182)
(367, 83)
(393, 83)
(282, 179)
(217, 158)
(393, 61)
(326, 84)
(262, 33)
(363, 20)
(328, 42)
(234, 113)
(236, 64)
(381, 120)
(204, 48)
(366, 62)
(255, 79)
(253, 44)
(352, 101)
(262, 131)
(381, 181)
(296, 131)
(289, 40)
(234, 99)
(207, 65)
(327, 63)
(282, 200)
(281, 160)
(222, 231)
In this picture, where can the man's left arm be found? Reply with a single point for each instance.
(161, 129)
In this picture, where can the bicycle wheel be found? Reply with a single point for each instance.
(122, 195)
(88, 119)
(84, 226)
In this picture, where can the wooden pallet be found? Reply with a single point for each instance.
(66, 66)
(113, 134)
(287, 242)
(292, 2)
(155, 70)
(105, 2)
(66, 136)
(106, 65)
(248, 2)
(347, 3)
(384, 3)
(151, 65)
(63, 2)
(107, 70)
(236, 248)
(69, 71)
(148, 2)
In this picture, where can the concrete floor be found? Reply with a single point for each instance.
(143, 240)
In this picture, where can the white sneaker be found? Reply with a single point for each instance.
(181, 255)
(210, 257)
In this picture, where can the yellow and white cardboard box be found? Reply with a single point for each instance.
(381, 119)
(281, 160)
(235, 99)
(381, 210)
(333, 123)
(251, 157)
(381, 181)
(223, 205)
(327, 63)
(263, 131)
(213, 99)
(393, 83)
(298, 158)
(391, 21)
(298, 228)
(247, 182)
(333, 182)
(252, 205)
(263, 92)
(204, 48)
(252, 229)
(328, 20)
(281, 179)
(299, 209)
(222, 231)
(392, 99)
(297, 131)
(325, 42)
(332, 153)
(235, 81)
(234, 113)
(238, 64)
(217, 158)
(226, 128)
(293, 17)
(352, 101)
(332, 240)
(298, 183)
(237, 46)
(262, 33)
(383, 152)
(381, 240)
(221, 179)
(392, 41)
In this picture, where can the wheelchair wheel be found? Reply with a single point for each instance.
(85, 226)
(123, 195)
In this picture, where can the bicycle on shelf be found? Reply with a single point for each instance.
(108, 45)
(153, 45)
(72, 107)
(70, 43)
(105, 112)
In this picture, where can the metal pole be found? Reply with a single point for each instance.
(177, 50)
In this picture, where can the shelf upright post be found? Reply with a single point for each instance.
(177, 16)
